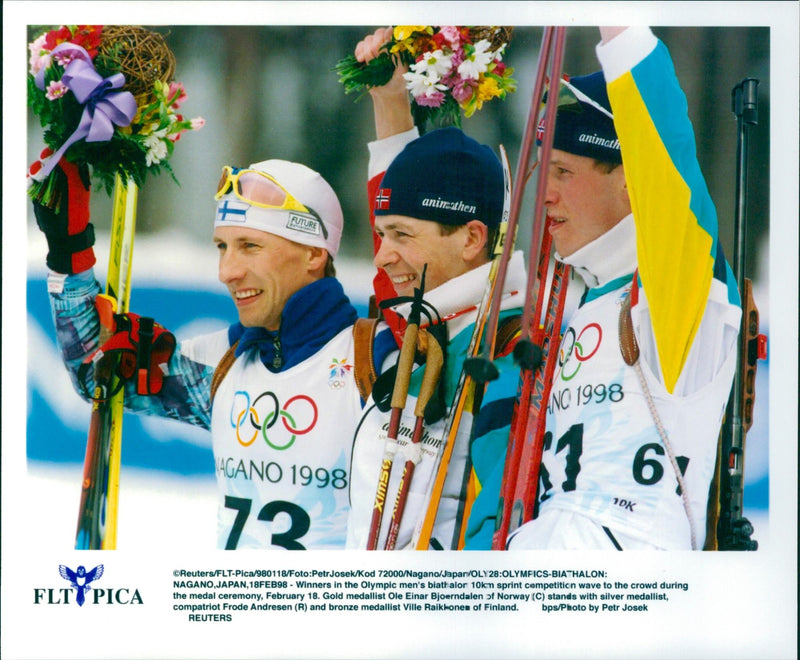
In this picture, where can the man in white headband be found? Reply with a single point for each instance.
(262, 203)
(281, 380)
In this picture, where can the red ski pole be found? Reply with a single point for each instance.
(405, 365)
(529, 350)
(479, 367)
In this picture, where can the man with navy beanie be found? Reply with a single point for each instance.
(437, 202)
(647, 359)
(585, 125)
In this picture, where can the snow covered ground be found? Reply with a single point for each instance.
(165, 510)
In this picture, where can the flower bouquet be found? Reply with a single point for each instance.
(106, 99)
(451, 69)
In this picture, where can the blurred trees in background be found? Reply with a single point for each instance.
(270, 92)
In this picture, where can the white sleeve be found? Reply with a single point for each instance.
(383, 152)
(620, 54)
(206, 349)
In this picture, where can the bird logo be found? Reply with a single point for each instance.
(79, 579)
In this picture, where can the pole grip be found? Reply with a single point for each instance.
(430, 379)
(405, 365)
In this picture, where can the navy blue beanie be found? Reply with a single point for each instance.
(582, 129)
(444, 176)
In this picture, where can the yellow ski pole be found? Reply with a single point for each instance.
(97, 517)
(118, 286)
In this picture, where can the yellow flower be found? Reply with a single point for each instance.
(403, 32)
(488, 89)
(411, 38)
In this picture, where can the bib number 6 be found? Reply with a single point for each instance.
(648, 471)
(300, 521)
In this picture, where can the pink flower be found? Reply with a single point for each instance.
(197, 123)
(55, 90)
(40, 56)
(72, 52)
(176, 92)
(463, 90)
(432, 99)
(452, 34)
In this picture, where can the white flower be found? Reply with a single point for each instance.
(422, 85)
(435, 65)
(478, 62)
(156, 148)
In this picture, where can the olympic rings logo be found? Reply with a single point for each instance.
(582, 347)
(303, 409)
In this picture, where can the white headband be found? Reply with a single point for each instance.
(320, 228)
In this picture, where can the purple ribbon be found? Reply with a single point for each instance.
(103, 108)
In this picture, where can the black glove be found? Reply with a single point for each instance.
(70, 235)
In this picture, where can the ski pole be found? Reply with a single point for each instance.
(734, 528)
(478, 367)
(527, 480)
(520, 411)
(481, 368)
(91, 527)
(97, 517)
(405, 366)
(528, 351)
(433, 368)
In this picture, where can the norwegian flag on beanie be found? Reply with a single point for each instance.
(383, 199)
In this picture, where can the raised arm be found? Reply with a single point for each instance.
(390, 101)
(678, 248)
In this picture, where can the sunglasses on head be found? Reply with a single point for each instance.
(260, 189)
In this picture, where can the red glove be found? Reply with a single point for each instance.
(70, 235)
(143, 349)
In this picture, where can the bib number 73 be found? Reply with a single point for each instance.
(300, 521)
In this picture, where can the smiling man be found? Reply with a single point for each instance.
(285, 402)
(437, 202)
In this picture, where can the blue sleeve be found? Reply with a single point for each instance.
(185, 394)
(488, 454)
(677, 235)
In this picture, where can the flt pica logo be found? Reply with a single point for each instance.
(83, 589)
(79, 580)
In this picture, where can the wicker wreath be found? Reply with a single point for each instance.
(496, 35)
(140, 54)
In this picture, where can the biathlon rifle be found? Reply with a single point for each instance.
(733, 529)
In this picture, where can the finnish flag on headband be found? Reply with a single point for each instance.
(232, 210)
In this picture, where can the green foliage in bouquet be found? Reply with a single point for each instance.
(127, 67)
(452, 70)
